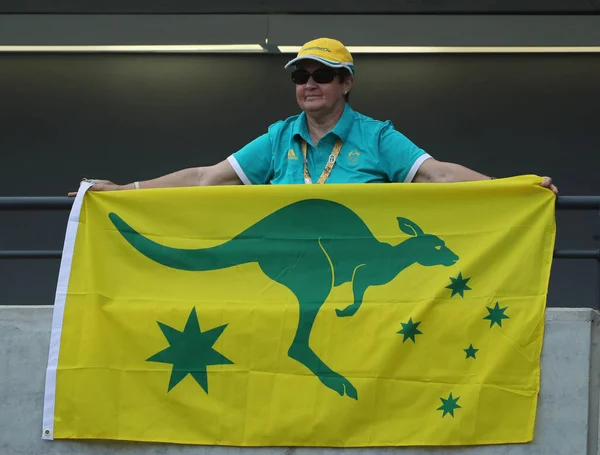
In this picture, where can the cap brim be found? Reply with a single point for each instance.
(348, 66)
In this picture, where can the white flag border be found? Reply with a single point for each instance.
(59, 310)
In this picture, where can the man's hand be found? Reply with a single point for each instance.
(101, 185)
(547, 183)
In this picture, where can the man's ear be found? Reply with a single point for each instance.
(348, 81)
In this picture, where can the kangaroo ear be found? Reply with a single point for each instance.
(409, 227)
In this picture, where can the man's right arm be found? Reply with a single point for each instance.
(218, 174)
(251, 164)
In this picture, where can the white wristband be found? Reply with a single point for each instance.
(136, 185)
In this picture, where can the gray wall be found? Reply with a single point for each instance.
(566, 418)
(130, 117)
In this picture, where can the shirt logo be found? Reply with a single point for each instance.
(291, 155)
(353, 157)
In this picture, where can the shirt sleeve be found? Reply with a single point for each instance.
(253, 163)
(400, 157)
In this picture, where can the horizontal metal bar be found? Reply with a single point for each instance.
(31, 254)
(63, 203)
(56, 254)
(578, 202)
(577, 254)
(35, 203)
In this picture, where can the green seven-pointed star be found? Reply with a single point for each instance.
(496, 315)
(470, 351)
(449, 405)
(409, 330)
(190, 351)
(459, 285)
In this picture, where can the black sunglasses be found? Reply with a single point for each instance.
(320, 76)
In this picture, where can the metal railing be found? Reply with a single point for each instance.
(65, 203)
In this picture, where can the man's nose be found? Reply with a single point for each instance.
(311, 83)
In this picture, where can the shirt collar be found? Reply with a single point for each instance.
(301, 128)
(344, 124)
(341, 129)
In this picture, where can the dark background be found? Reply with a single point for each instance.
(134, 117)
(305, 6)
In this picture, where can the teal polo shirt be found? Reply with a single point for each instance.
(372, 152)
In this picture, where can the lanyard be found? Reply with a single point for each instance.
(328, 167)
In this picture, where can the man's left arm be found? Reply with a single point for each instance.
(434, 171)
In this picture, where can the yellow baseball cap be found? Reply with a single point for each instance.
(328, 51)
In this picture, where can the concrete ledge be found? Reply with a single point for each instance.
(567, 420)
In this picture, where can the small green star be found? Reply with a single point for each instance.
(470, 351)
(190, 351)
(459, 285)
(409, 330)
(496, 315)
(449, 405)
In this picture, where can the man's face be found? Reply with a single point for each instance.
(314, 97)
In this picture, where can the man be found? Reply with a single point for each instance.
(328, 142)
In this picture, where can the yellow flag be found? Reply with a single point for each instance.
(303, 315)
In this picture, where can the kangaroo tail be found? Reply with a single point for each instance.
(214, 258)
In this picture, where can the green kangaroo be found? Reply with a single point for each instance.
(309, 246)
